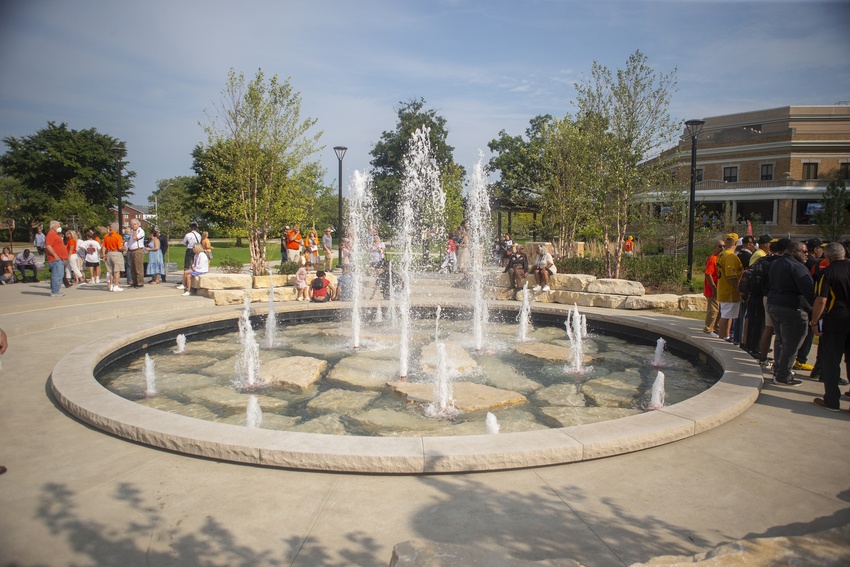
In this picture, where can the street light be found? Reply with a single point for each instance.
(118, 152)
(694, 128)
(340, 153)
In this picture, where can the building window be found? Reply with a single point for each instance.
(810, 171)
(767, 172)
(806, 210)
(844, 170)
(699, 172)
(756, 211)
(730, 174)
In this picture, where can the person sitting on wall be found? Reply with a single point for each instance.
(321, 289)
(544, 267)
(517, 267)
(26, 261)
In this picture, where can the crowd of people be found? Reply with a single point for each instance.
(786, 291)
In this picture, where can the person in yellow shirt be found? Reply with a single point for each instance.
(729, 270)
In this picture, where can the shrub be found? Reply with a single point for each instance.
(288, 268)
(230, 265)
(659, 272)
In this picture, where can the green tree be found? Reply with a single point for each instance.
(57, 159)
(451, 180)
(261, 146)
(76, 212)
(632, 125)
(171, 203)
(11, 196)
(520, 163)
(832, 219)
(388, 154)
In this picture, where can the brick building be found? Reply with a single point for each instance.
(769, 165)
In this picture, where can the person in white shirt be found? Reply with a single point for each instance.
(89, 250)
(136, 253)
(543, 268)
(189, 240)
(200, 265)
(26, 261)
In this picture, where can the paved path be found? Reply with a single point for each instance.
(76, 496)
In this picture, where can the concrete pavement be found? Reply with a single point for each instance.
(76, 496)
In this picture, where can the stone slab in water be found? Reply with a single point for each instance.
(298, 372)
(363, 372)
(568, 416)
(467, 397)
(545, 351)
(162, 403)
(561, 395)
(342, 401)
(616, 390)
(458, 360)
(502, 375)
(394, 423)
(271, 421)
(235, 400)
(327, 424)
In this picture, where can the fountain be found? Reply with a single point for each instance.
(574, 333)
(658, 358)
(437, 322)
(360, 217)
(443, 404)
(271, 319)
(478, 209)
(248, 362)
(492, 424)
(421, 208)
(379, 314)
(254, 413)
(181, 344)
(150, 376)
(524, 316)
(656, 401)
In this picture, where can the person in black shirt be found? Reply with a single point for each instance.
(517, 268)
(832, 305)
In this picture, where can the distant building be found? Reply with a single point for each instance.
(140, 212)
(771, 165)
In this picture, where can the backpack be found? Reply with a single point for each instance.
(317, 283)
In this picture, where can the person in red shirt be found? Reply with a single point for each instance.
(321, 289)
(113, 243)
(56, 256)
(709, 290)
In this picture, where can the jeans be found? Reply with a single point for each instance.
(790, 326)
(23, 269)
(57, 272)
(832, 347)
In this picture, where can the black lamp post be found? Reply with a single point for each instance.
(118, 152)
(340, 153)
(694, 128)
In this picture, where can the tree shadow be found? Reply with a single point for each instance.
(146, 539)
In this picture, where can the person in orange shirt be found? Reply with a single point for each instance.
(113, 243)
(293, 244)
(56, 255)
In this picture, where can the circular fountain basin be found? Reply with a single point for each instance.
(75, 387)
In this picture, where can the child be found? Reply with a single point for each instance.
(301, 282)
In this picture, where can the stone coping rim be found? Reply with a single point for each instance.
(73, 384)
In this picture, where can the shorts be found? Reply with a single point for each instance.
(768, 322)
(114, 262)
(730, 310)
(92, 264)
(194, 273)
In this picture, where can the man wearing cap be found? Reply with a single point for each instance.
(729, 270)
(789, 304)
(763, 248)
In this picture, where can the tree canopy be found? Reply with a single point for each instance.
(388, 154)
(57, 166)
(254, 171)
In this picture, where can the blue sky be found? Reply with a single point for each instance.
(146, 71)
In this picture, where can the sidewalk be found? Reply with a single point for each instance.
(76, 496)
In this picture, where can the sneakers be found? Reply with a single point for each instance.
(714, 335)
(803, 366)
(116, 288)
(821, 403)
(545, 288)
(60, 294)
(180, 286)
(766, 364)
(186, 292)
(536, 288)
(791, 382)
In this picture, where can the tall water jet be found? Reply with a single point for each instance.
(248, 361)
(478, 212)
(271, 319)
(492, 424)
(656, 400)
(360, 217)
(437, 323)
(150, 376)
(573, 324)
(421, 208)
(254, 413)
(658, 359)
(181, 344)
(524, 316)
(379, 314)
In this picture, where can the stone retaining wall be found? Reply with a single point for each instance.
(580, 289)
